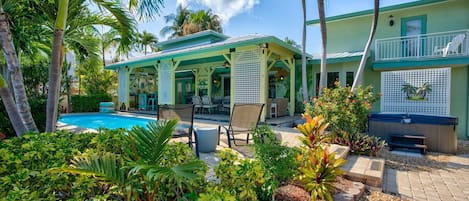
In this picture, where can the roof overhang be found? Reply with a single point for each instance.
(338, 57)
(152, 59)
(402, 6)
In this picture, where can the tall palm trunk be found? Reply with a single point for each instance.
(11, 109)
(55, 70)
(303, 56)
(322, 22)
(361, 68)
(16, 76)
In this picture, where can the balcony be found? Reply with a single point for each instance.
(424, 46)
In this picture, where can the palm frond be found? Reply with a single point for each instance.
(149, 142)
(106, 166)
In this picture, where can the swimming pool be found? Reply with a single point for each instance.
(110, 121)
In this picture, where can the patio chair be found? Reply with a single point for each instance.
(226, 104)
(244, 119)
(451, 47)
(207, 104)
(197, 103)
(185, 127)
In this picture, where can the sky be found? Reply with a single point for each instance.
(280, 18)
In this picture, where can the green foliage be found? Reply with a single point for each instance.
(318, 168)
(318, 171)
(362, 144)
(24, 164)
(216, 193)
(240, 177)
(143, 168)
(89, 103)
(344, 110)
(277, 161)
(38, 109)
(347, 112)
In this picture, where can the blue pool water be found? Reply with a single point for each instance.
(110, 121)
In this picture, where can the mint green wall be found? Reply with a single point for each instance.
(459, 98)
(342, 68)
(351, 34)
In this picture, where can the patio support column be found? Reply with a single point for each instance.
(174, 65)
(292, 87)
(291, 65)
(264, 80)
(123, 90)
(167, 82)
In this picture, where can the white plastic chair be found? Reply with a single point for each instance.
(451, 47)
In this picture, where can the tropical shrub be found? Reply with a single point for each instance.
(347, 112)
(344, 110)
(24, 164)
(278, 161)
(142, 170)
(318, 168)
(89, 103)
(239, 177)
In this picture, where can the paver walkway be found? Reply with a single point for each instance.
(449, 183)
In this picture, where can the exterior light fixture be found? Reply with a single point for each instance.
(226, 64)
(391, 20)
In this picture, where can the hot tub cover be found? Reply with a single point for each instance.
(415, 118)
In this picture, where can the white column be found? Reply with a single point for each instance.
(123, 89)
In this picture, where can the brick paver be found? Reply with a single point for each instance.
(449, 183)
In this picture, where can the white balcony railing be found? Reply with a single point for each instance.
(434, 45)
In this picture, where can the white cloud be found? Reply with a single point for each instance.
(225, 9)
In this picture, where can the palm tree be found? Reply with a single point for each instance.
(322, 22)
(200, 21)
(374, 25)
(304, 81)
(177, 22)
(423, 90)
(17, 81)
(138, 172)
(11, 109)
(145, 8)
(408, 89)
(147, 39)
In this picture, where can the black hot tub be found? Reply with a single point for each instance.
(440, 131)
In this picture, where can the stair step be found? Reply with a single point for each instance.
(417, 137)
(367, 170)
(406, 145)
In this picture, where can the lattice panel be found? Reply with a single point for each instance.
(164, 83)
(247, 78)
(123, 85)
(436, 101)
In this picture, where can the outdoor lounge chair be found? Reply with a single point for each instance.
(451, 47)
(185, 127)
(244, 118)
(197, 103)
(207, 104)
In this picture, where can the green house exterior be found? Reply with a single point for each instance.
(423, 39)
(209, 63)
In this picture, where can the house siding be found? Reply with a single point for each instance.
(350, 35)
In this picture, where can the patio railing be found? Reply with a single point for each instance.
(433, 45)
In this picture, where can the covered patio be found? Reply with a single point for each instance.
(225, 70)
